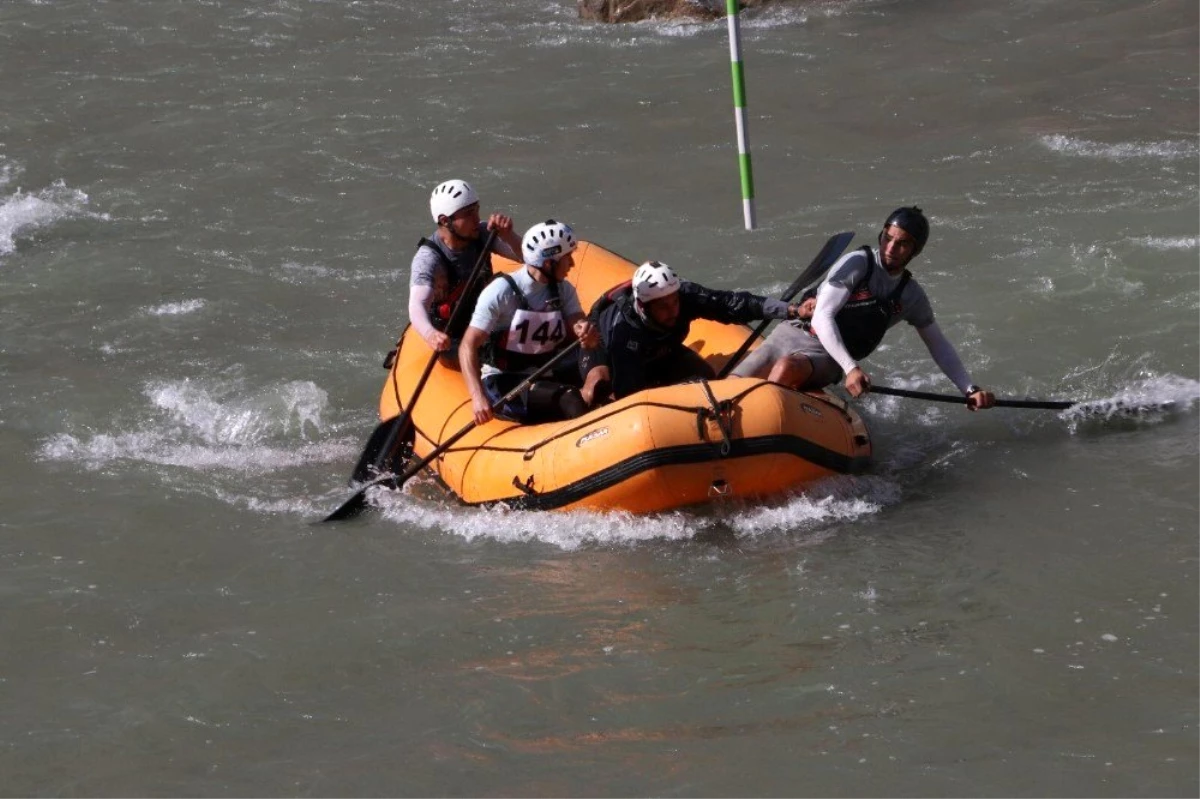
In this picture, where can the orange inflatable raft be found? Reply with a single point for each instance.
(659, 449)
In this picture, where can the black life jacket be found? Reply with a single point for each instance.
(457, 273)
(618, 306)
(621, 291)
(864, 319)
(502, 352)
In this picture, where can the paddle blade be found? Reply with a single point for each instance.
(833, 249)
(350, 508)
(357, 503)
(379, 455)
(824, 259)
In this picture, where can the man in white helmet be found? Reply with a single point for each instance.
(866, 293)
(444, 261)
(520, 321)
(643, 326)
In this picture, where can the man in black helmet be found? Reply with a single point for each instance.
(865, 293)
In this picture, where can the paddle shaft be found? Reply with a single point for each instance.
(1047, 405)
(404, 421)
(819, 266)
(355, 504)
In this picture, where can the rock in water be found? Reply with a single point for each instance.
(635, 10)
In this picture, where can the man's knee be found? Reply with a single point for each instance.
(791, 370)
(597, 385)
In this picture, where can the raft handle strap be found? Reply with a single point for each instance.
(525, 488)
(718, 413)
(590, 421)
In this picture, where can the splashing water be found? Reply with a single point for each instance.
(1151, 399)
(837, 499)
(1166, 150)
(212, 426)
(21, 213)
(1166, 243)
(244, 420)
(176, 308)
(8, 172)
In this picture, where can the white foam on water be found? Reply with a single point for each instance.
(1043, 285)
(1166, 150)
(1150, 399)
(224, 415)
(176, 308)
(210, 426)
(289, 506)
(302, 274)
(823, 503)
(1168, 242)
(786, 16)
(925, 415)
(103, 449)
(8, 173)
(23, 212)
(837, 499)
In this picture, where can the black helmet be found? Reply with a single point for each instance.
(912, 221)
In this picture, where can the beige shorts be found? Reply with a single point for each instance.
(788, 339)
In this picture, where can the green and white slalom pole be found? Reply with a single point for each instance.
(739, 112)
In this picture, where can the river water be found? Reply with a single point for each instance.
(207, 211)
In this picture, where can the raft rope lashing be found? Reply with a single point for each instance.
(718, 412)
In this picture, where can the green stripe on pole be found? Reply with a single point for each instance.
(747, 178)
(739, 85)
(739, 112)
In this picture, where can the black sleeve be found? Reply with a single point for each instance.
(727, 307)
(626, 361)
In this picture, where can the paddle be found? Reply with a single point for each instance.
(357, 503)
(375, 454)
(1106, 407)
(832, 250)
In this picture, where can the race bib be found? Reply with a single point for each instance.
(535, 332)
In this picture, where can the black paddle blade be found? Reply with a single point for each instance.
(832, 250)
(357, 503)
(350, 508)
(824, 259)
(379, 449)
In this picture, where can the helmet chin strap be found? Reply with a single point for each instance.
(456, 241)
(548, 272)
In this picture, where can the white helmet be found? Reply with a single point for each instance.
(451, 196)
(654, 279)
(547, 241)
